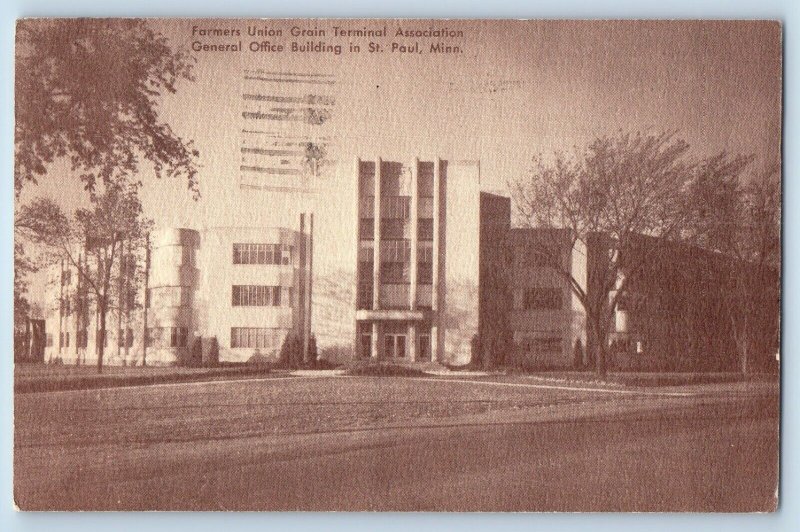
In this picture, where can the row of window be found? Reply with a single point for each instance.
(124, 338)
(391, 249)
(393, 229)
(262, 254)
(396, 272)
(395, 207)
(261, 296)
(257, 337)
(82, 302)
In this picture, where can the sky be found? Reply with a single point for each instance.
(517, 89)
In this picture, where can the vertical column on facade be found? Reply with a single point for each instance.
(357, 173)
(412, 291)
(374, 340)
(376, 256)
(435, 262)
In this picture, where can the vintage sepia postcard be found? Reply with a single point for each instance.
(397, 265)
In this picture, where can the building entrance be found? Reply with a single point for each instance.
(394, 345)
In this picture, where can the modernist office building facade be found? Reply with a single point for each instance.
(436, 274)
(233, 294)
(417, 266)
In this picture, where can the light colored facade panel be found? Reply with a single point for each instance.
(461, 235)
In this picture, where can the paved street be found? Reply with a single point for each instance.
(354, 443)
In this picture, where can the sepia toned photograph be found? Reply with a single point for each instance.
(397, 265)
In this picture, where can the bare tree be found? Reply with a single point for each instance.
(606, 200)
(92, 242)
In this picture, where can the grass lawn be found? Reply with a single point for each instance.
(44, 377)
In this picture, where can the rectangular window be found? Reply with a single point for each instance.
(365, 296)
(395, 272)
(260, 296)
(398, 207)
(366, 229)
(543, 299)
(424, 273)
(365, 252)
(425, 252)
(393, 228)
(395, 250)
(49, 340)
(425, 229)
(262, 254)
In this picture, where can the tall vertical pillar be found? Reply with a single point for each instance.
(412, 341)
(414, 215)
(357, 280)
(376, 259)
(374, 341)
(376, 249)
(437, 253)
(414, 229)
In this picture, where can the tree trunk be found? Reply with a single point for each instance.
(119, 309)
(598, 350)
(101, 345)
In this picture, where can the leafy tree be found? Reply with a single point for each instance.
(92, 242)
(88, 90)
(606, 200)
